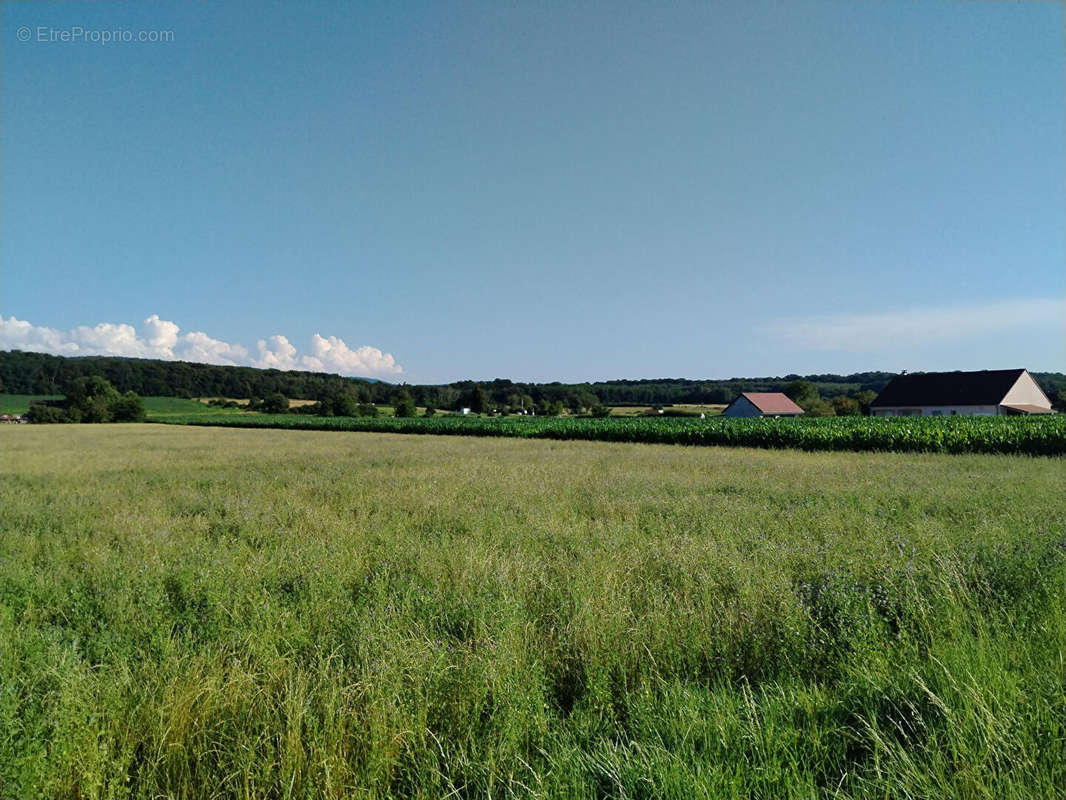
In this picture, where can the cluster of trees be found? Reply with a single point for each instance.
(90, 399)
(339, 402)
(39, 373)
(348, 401)
(805, 394)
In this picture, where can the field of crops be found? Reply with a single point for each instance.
(192, 612)
(1038, 435)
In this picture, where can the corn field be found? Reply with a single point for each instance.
(1044, 435)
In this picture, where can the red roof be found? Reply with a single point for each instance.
(772, 403)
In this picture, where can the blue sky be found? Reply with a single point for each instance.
(537, 190)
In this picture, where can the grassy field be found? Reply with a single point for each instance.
(155, 407)
(161, 408)
(243, 401)
(213, 612)
(685, 408)
(20, 403)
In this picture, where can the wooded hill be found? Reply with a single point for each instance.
(40, 373)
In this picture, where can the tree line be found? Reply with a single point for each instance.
(40, 373)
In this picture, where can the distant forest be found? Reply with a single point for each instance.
(39, 373)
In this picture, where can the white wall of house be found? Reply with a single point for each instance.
(1026, 391)
(742, 407)
(935, 411)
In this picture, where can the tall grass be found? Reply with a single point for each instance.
(193, 612)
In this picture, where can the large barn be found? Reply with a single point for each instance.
(985, 393)
(762, 404)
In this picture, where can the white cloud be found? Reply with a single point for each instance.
(328, 354)
(279, 353)
(333, 355)
(161, 335)
(17, 334)
(109, 339)
(918, 326)
(160, 338)
(198, 346)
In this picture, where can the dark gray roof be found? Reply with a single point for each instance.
(985, 388)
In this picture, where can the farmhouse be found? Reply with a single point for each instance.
(985, 393)
(762, 404)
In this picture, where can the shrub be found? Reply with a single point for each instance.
(128, 408)
(276, 403)
(846, 406)
(819, 408)
(403, 405)
(40, 413)
(90, 399)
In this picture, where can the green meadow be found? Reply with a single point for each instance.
(159, 408)
(165, 408)
(20, 403)
(197, 612)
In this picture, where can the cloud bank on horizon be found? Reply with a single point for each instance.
(891, 330)
(163, 339)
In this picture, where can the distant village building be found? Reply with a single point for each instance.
(13, 418)
(985, 393)
(464, 410)
(762, 404)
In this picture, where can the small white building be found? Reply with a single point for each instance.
(762, 404)
(985, 393)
